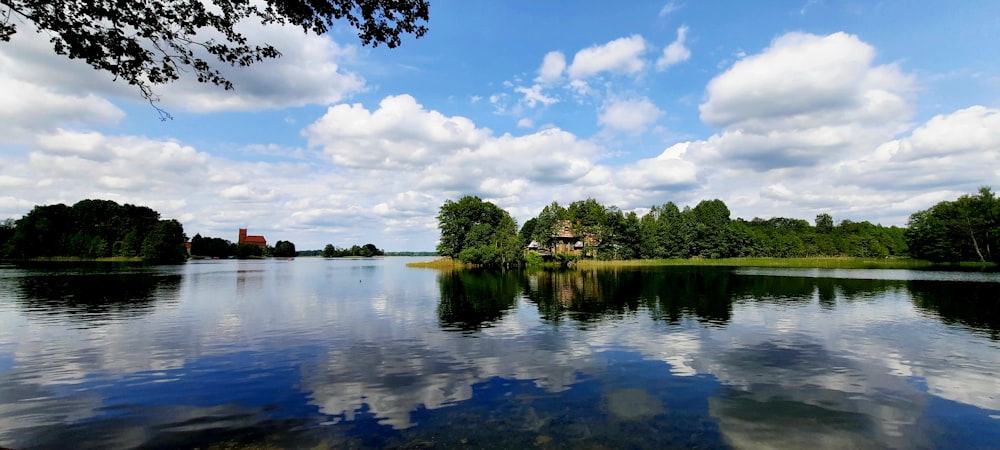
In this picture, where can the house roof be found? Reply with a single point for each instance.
(255, 240)
(565, 230)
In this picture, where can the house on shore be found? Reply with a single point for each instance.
(565, 241)
(259, 241)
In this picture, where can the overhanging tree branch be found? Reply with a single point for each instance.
(152, 42)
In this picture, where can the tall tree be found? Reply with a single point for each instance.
(478, 232)
(284, 249)
(547, 224)
(673, 231)
(509, 245)
(528, 230)
(165, 242)
(652, 247)
(824, 223)
(590, 222)
(711, 219)
(6, 235)
(43, 231)
(967, 229)
(371, 250)
(152, 42)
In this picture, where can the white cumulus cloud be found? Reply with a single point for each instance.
(533, 96)
(676, 52)
(552, 67)
(622, 55)
(309, 71)
(805, 99)
(961, 149)
(629, 115)
(400, 134)
(35, 108)
(669, 170)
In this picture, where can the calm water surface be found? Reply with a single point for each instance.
(316, 353)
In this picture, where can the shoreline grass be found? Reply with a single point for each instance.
(439, 263)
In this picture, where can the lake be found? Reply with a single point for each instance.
(368, 353)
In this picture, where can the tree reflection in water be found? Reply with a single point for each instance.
(973, 304)
(472, 299)
(591, 295)
(94, 298)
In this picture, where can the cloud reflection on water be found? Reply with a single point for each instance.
(832, 361)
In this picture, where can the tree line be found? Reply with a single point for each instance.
(478, 232)
(367, 250)
(93, 229)
(707, 231)
(102, 228)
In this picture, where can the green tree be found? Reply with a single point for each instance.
(967, 229)
(152, 42)
(44, 231)
(547, 224)
(478, 232)
(6, 236)
(632, 235)
(509, 245)
(974, 219)
(165, 242)
(590, 222)
(131, 244)
(711, 220)
(246, 251)
(284, 249)
(743, 241)
(652, 246)
(198, 245)
(528, 230)
(458, 224)
(824, 223)
(674, 231)
(88, 229)
(329, 251)
(371, 250)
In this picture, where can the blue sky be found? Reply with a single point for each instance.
(863, 110)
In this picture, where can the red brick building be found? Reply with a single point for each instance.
(251, 240)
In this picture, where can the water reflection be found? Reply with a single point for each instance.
(976, 305)
(593, 295)
(706, 294)
(93, 298)
(473, 299)
(364, 354)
